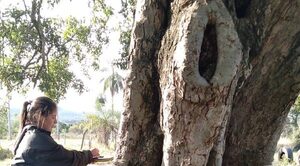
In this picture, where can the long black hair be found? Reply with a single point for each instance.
(41, 106)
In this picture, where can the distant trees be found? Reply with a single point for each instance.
(3, 121)
(6, 128)
(104, 123)
(101, 126)
(294, 114)
(291, 128)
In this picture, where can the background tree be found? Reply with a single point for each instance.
(110, 118)
(112, 82)
(291, 124)
(202, 72)
(291, 128)
(125, 26)
(3, 122)
(5, 115)
(37, 51)
(103, 124)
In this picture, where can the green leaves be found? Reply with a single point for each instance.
(3, 121)
(295, 109)
(38, 51)
(75, 29)
(108, 120)
(10, 73)
(114, 83)
(128, 12)
(57, 79)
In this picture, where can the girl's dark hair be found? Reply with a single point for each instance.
(42, 106)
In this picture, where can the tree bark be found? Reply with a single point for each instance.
(140, 139)
(196, 95)
(203, 72)
(264, 97)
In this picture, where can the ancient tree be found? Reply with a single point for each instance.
(211, 82)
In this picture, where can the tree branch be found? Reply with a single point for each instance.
(30, 61)
(36, 22)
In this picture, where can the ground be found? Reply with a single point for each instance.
(108, 152)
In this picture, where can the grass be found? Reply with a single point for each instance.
(75, 143)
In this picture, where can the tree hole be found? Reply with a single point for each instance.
(209, 52)
(241, 8)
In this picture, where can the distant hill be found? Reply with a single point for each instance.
(65, 116)
(70, 117)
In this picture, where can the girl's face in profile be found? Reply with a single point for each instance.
(48, 123)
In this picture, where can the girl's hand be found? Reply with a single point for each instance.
(95, 152)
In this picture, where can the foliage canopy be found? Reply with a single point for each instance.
(38, 51)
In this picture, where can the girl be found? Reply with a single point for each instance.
(35, 146)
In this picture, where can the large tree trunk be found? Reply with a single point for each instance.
(264, 97)
(140, 139)
(203, 72)
(198, 61)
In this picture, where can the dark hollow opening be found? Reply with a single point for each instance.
(209, 52)
(241, 8)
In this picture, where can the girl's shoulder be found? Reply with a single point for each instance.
(36, 136)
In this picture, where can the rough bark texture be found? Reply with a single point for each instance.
(140, 140)
(271, 80)
(187, 92)
(196, 80)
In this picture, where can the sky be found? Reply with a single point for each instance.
(73, 101)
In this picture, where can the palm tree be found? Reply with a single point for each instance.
(108, 121)
(114, 82)
(104, 123)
